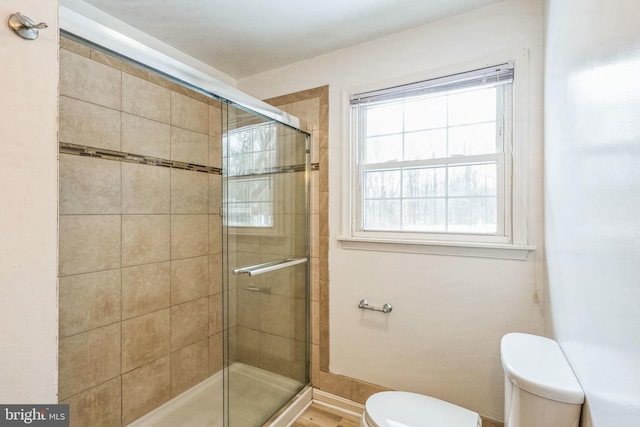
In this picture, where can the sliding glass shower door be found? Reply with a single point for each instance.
(265, 265)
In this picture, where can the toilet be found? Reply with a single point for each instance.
(404, 409)
(540, 388)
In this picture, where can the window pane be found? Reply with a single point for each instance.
(239, 142)
(238, 214)
(473, 180)
(384, 119)
(261, 215)
(263, 160)
(263, 138)
(424, 215)
(425, 145)
(476, 215)
(260, 190)
(424, 182)
(472, 107)
(472, 139)
(239, 165)
(233, 144)
(426, 113)
(381, 215)
(382, 184)
(383, 149)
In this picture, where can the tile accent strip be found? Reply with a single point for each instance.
(271, 171)
(101, 153)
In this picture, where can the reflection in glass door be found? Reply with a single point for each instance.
(265, 265)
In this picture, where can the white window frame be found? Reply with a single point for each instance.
(513, 244)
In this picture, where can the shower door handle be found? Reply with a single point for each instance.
(255, 270)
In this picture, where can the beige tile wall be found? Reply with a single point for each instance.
(140, 246)
(140, 261)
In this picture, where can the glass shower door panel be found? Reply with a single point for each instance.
(265, 221)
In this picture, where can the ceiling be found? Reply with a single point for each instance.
(245, 37)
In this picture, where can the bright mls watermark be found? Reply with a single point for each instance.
(34, 415)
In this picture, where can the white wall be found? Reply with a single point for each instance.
(28, 207)
(449, 314)
(592, 165)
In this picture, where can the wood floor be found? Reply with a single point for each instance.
(321, 416)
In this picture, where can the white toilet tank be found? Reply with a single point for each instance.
(540, 387)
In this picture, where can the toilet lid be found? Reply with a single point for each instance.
(537, 365)
(404, 409)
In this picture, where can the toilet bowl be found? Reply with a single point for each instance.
(404, 409)
(540, 388)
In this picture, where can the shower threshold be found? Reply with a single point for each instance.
(254, 395)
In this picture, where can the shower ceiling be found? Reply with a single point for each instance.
(246, 37)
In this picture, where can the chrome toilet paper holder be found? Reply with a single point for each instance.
(364, 305)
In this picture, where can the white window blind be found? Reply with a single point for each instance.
(490, 76)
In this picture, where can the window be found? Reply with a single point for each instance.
(250, 156)
(432, 160)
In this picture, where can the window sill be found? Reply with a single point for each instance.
(470, 249)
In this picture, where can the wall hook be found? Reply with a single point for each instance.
(24, 27)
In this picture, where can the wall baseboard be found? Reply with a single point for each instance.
(337, 402)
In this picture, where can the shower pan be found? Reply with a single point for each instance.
(184, 254)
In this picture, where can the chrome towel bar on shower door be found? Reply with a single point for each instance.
(255, 270)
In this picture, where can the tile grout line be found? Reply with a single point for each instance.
(121, 263)
(170, 245)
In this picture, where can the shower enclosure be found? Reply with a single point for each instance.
(183, 232)
(266, 268)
